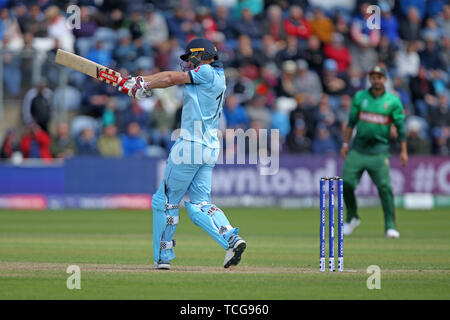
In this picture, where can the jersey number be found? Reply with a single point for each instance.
(220, 102)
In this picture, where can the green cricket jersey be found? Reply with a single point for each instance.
(373, 118)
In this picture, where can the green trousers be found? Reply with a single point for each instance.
(377, 167)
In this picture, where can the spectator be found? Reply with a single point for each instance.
(337, 51)
(136, 24)
(386, 52)
(365, 40)
(441, 142)
(40, 108)
(109, 145)
(343, 112)
(439, 80)
(303, 111)
(342, 26)
(248, 25)
(258, 112)
(12, 39)
(135, 113)
(443, 20)
(115, 19)
(125, 53)
(445, 53)
(35, 143)
(226, 53)
(418, 5)
(133, 144)
(333, 82)
(156, 30)
(10, 144)
(389, 24)
(415, 143)
(355, 81)
(143, 53)
(290, 52)
(207, 22)
(286, 85)
(432, 30)
(43, 90)
(224, 22)
(269, 50)
(403, 94)
(323, 143)
(280, 121)
(439, 115)
(439, 120)
(161, 124)
(322, 26)
(62, 146)
(86, 143)
(407, 62)
(246, 54)
(12, 36)
(109, 115)
(314, 54)
(273, 24)
(35, 22)
(410, 26)
(422, 92)
(297, 140)
(243, 87)
(326, 116)
(84, 33)
(179, 25)
(307, 82)
(430, 56)
(57, 29)
(296, 24)
(94, 98)
(235, 113)
(88, 26)
(99, 54)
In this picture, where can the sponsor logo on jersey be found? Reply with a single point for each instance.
(374, 118)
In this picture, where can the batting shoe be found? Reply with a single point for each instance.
(234, 253)
(350, 226)
(162, 265)
(392, 234)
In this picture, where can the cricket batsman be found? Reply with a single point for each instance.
(193, 156)
(373, 111)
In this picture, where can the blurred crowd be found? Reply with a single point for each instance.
(290, 65)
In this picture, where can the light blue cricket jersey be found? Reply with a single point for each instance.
(202, 104)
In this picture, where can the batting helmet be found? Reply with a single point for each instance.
(196, 46)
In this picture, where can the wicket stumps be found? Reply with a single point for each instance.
(331, 203)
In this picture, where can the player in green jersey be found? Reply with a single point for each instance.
(373, 112)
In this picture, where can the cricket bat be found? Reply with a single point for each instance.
(88, 67)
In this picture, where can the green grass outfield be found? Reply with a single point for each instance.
(114, 252)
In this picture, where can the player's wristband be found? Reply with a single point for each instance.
(345, 144)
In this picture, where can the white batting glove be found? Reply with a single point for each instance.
(126, 84)
(140, 90)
